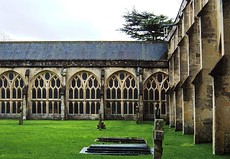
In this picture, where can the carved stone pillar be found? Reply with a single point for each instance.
(140, 108)
(63, 94)
(24, 102)
(102, 100)
(63, 102)
(25, 94)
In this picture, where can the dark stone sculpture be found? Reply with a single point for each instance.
(157, 114)
(101, 124)
(21, 116)
(158, 137)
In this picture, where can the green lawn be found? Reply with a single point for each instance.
(47, 139)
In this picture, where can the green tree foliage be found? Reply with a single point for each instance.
(144, 25)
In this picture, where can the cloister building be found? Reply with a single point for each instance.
(187, 76)
(74, 80)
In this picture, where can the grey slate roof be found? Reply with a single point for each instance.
(82, 50)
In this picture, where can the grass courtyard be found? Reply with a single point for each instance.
(50, 139)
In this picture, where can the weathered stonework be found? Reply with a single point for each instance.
(65, 79)
(201, 40)
(221, 95)
(221, 107)
(77, 87)
(171, 109)
(74, 80)
(187, 105)
(178, 102)
(203, 108)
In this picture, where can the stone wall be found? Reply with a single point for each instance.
(199, 81)
(71, 92)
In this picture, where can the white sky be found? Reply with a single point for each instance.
(80, 20)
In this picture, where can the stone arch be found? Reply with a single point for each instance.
(154, 94)
(121, 95)
(83, 94)
(11, 92)
(45, 93)
(114, 71)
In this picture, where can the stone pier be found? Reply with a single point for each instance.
(199, 72)
(178, 97)
(188, 110)
(171, 109)
(203, 108)
(221, 107)
(221, 96)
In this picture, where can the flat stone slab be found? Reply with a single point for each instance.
(121, 140)
(118, 149)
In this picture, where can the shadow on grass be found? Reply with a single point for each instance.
(178, 146)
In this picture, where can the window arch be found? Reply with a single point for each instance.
(46, 94)
(11, 96)
(84, 94)
(121, 94)
(155, 89)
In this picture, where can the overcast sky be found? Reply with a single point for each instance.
(74, 19)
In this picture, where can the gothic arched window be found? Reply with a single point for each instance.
(84, 94)
(11, 86)
(121, 94)
(155, 89)
(46, 94)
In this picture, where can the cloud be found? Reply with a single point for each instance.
(73, 19)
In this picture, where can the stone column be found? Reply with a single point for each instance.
(63, 94)
(209, 36)
(203, 114)
(188, 109)
(140, 114)
(221, 94)
(170, 93)
(221, 107)
(102, 101)
(178, 106)
(194, 59)
(203, 107)
(22, 115)
(63, 103)
(186, 99)
(167, 120)
(24, 102)
(25, 94)
(172, 109)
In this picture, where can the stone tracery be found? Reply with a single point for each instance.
(121, 94)
(45, 95)
(11, 86)
(155, 89)
(84, 94)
